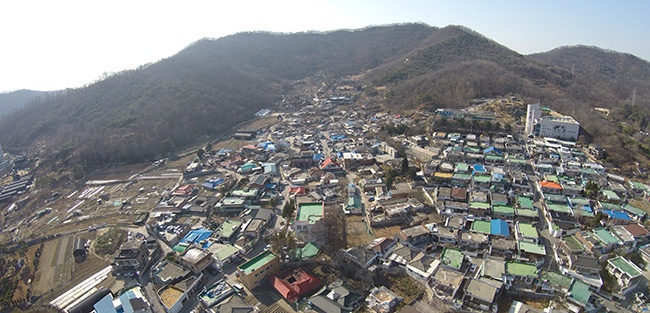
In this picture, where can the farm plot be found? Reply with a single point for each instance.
(55, 265)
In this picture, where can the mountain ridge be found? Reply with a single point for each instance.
(214, 84)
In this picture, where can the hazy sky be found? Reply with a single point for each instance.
(49, 45)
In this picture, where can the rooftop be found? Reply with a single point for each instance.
(525, 202)
(625, 266)
(169, 295)
(499, 227)
(530, 247)
(521, 269)
(259, 261)
(452, 258)
(527, 230)
(556, 279)
(481, 226)
(310, 212)
(579, 292)
(605, 236)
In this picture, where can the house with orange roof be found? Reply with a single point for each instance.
(550, 187)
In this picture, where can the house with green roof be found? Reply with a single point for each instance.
(531, 252)
(505, 212)
(526, 215)
(481, 226)
(554, 282)
(227, 230)
(308, 225)
(526, 232)
(253, 272)
(452, 258)
(628, 275)
(580, 295)
(521, 275)
(479, 208)
(607, 240)
(525, 203)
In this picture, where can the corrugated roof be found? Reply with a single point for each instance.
(499, 227)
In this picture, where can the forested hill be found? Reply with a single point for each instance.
(12, 101)
(214, 84)
(202, 91)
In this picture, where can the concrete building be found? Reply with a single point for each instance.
(565, 127)
(308, 225)
(131, 258)
(253, 273)
(4, 164)
(533, 113)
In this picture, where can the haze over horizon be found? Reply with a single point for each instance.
(67, 44)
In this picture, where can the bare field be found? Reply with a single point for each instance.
(356, 231)
(389, 231)
(55, 265)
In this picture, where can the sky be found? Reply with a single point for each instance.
(51, 45)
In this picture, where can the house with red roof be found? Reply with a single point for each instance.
(294, 284)
(550, 187)
(331, 166)
(184, 190)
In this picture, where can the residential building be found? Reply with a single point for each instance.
(627, 274)
(337, 297)
(294, 284)
(382, 300)
(308, 225)
(131, 258)
(482, 294)
(196, 260)
(254, 272)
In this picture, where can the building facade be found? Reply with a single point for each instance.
(565, 127)
(533, 113)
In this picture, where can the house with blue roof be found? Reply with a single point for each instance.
(499, 227)
(196, 236)
(493, 151)
(616, 217)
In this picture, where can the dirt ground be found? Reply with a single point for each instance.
(389, 231)
(55, 266)
(356, 231)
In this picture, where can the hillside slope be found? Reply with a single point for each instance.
(204, 90)
(12, 101)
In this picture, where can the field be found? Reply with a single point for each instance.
(57, 269)
(389, 231)
(357, 231)
(55, 266)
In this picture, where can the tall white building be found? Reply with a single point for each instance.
(4, 164)
(533, 113)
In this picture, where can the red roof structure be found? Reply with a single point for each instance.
(294, 284)
(297, 190)
(550, 185)
(329, 163)
(183, 190)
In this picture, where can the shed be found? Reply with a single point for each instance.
(79, 250)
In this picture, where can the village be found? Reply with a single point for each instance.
(338, 206)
